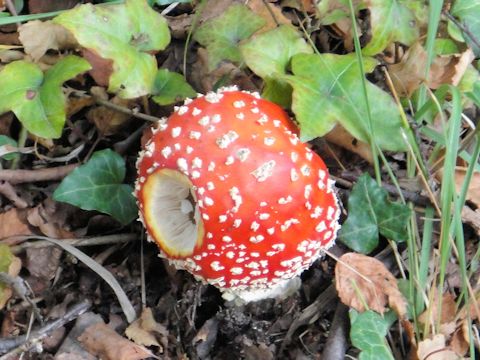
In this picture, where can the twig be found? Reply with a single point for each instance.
(46, 174)
(336, 344)
(7, 190)
(126, 110)
(21, 343)
(93, 241)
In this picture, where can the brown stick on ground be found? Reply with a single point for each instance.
(46, 174)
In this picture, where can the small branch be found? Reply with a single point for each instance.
(21, 343)
(93, 241)
(7, 190)
(46, 174)
(126, 110)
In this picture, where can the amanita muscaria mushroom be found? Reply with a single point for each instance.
(229, 193)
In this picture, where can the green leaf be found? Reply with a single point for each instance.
(37, 99)
(170, 87)
(367, 333)
(97, 185)
(269, 53)
(370, 213)
(6, 257)
(5, 140)
(221, 35)
(127, 34)
(331, 11)
(327, 89)
(468, 12)
(391, 21)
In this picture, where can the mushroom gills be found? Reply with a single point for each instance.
(175, 211)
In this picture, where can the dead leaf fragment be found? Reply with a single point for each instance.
(102, 341)
(409, 73)
(342, 138)
(145, 330)
(445, 318)
(363, 280)
(12, 223)
(271, 13)
(435, 349)
(473, 193)
(13, 271)
(109, 121)
(38, 37)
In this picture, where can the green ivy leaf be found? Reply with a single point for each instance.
(468, 12)
(327, 89)
(391, 21)
(127, 34)
(97, 185)
(5, 140)
(269, 54)
(37, 99)
(367, 333)
(370, 213)
(170, 87)
(221, 35)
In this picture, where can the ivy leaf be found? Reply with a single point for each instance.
(370, 213)
(170, 87)
(391, 21)
(97, 185)
(127, 34)
(468, 12)
(268, 55)
(327, 89)
(37, 99)
(367, 333)
(221, 35)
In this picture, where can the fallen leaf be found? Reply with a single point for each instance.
(435, 349)
(104, 342)
(446, 317)
(409, 73)
(109, 121)
(362, 280)
(47, 217)
(145, 330)
(460, 342)
(43, 262)
(342, 137)
(42, 6)
(12, 223)
(271, 13)
(473, 193)
(38, 37)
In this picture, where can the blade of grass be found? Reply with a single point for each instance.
(106, 275)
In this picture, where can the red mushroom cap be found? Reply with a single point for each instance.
(228, 192)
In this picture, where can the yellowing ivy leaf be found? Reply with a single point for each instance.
(327, 89)
(221, 35)
(127, 34)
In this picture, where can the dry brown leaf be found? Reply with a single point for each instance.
(342, 138)
(435, 349)
(38, 37)
(460, 341)
(109, 121)
(102, 341)
(473, 193)
(12, 223)
(409, 73)
(446, 318)
(145, 330)
(361, 279)
(42, 6)
(43, 262)
(271, 13)
(48, 220)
